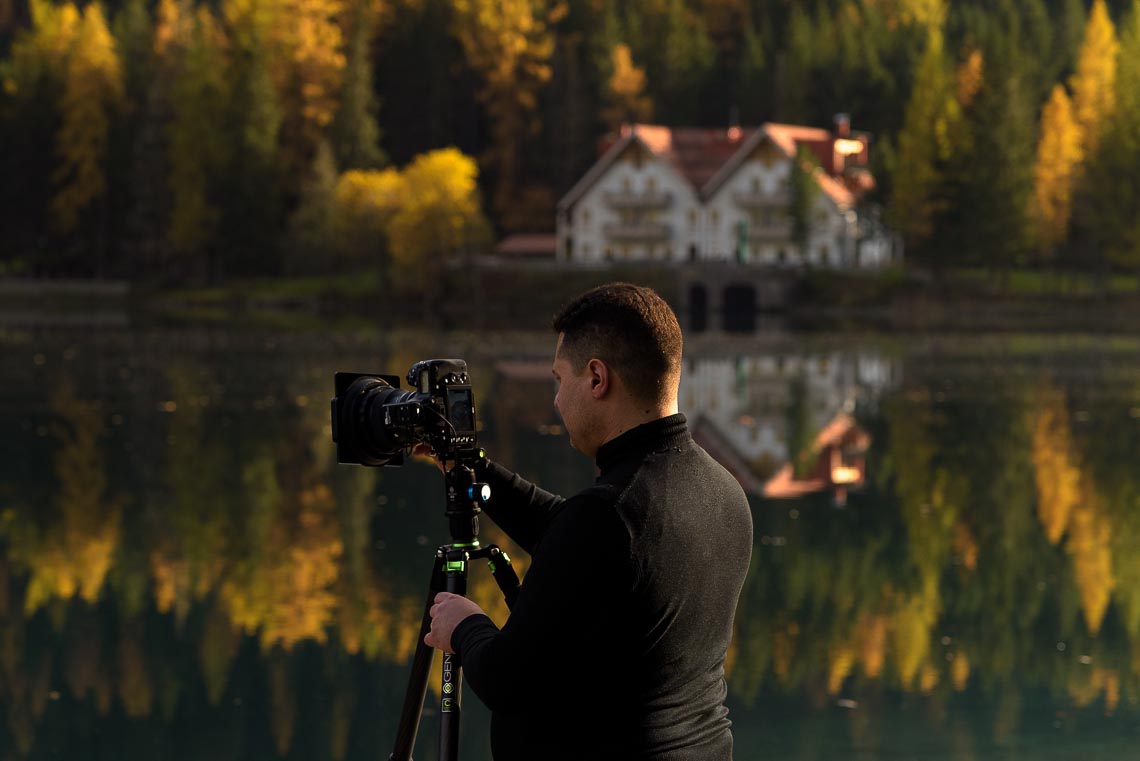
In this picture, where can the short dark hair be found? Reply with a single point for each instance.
(632, 330)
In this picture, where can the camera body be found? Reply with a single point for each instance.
(374, 423)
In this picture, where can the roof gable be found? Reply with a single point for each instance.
(707, 158)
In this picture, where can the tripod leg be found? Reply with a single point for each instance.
(451, 702)
(421, 671)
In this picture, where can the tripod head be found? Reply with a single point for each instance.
(465, 499)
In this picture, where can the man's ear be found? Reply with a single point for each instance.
(600, 378)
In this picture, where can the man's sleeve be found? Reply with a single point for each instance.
(517, 506)
(564, 613)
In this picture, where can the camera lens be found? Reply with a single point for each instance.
(364, 429)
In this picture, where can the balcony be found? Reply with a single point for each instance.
(650, 199)
(774, 231)
(756, 200)
(637, 232)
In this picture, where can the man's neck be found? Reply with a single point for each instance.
(635, 417)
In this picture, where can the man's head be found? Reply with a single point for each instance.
(618, 362)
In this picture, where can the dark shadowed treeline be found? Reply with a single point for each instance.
(175, 140)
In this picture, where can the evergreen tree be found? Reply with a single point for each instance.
(994, 207)
(924, 146)
(310, 226)
(753, 93)
(689, 60)
(252, 180)
(356, 133)
(197, 148)
(795, 69)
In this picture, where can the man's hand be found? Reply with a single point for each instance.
(424, 451)
(449, 610)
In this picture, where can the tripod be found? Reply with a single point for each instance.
(449, 574)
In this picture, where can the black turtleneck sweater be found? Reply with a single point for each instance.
(615, 647)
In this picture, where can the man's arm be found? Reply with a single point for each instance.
(517, 506)
(566, 612)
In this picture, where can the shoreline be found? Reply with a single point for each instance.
(497, 298)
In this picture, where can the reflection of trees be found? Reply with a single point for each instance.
(69, 548)
(984, 556)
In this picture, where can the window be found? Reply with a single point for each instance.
(625, 183)
(585, 217)
(692, 217)
(651, 184)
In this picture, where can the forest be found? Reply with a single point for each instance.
(200, 141)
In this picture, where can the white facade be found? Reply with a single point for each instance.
(636, 205)
(641, 209)
(747, 399)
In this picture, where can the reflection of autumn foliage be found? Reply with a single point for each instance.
(1090, 684)
(1068, 502)
(1056, 474)
(72, 554)
(288, 597)
(1089, 542)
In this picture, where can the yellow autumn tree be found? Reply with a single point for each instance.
(1058, 158)
(92, 89)
(307, 64)
(364, 203)
(626, 100)
(42, 50)
(509, 43)
(440, 219)
(1094, 81)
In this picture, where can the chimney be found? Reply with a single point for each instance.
(734, 132)
(842, 125)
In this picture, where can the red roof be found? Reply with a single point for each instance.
(705, 156)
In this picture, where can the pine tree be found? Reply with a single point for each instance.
(356, 133)
(252, 214)
(93, 88)
(753, 77)
(198, 149)
(1058, 158)
(310, 226)
(924, 145)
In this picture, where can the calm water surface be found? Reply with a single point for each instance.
(946, 562)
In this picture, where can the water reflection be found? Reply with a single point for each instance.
(186, 568)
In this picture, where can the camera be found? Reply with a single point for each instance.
(375, 423)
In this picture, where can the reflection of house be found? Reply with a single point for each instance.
(757, 414)
(837, 463)
(691, 195)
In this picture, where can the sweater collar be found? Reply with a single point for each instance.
(656, 435)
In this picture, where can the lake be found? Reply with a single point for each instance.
(946, 561)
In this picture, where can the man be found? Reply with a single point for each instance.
(615, 647)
